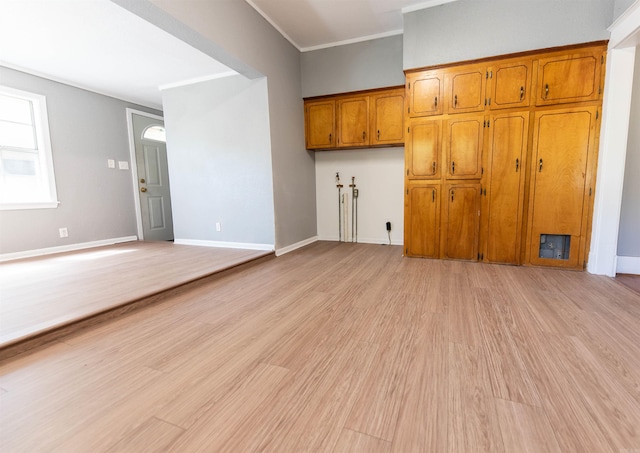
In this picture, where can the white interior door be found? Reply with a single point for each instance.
(152, 178)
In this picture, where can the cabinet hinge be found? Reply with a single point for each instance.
(409, 85)
(599, 90)
(407, 191)
(590, 191)
(489, 74)
(602, 59)
(597, 113)
(408, 129)
(482, 170)
(489, 101)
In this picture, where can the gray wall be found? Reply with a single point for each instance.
(629, 238)
(471, 29)
(360, 66)
(620, 7)
(248, 43)
(220, 160)
(96, 202)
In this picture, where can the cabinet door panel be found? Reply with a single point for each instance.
(387, 123)
(462, 221)
(510, 84)
(463, 142)
(320, 123)
(569, 78)
(506, 187)
(466, 90)
(425, 93)
(422, 219)
(353, 121)
(563, 142)
(423, 149)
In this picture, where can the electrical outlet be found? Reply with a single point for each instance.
(123, 165)
(63, 232)
(218, 226)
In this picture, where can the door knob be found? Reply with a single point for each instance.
(142, 181)
(143, 189)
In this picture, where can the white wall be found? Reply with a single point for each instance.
(219, 153)
(378, 174)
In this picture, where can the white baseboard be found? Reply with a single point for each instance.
(297, 245)
(64, 248)
(227, 245)
(628, 265)
(382, 241)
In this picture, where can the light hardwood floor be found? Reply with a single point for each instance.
(345, 348)
(45, 293)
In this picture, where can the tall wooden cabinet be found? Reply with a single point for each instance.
(510, 145)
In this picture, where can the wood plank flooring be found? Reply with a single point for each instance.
(341, 347)
(44, 293)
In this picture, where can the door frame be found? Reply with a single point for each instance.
(134, 166)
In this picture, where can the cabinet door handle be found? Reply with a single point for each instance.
(433, 167)
(540, 166)
(433, 195)
(363, 135)
(517, 164)
(455, 101)
(435, 102)
(521, 93)
(378, 135)
(453, 168)
(452, 194)
(546, 91)
(330, 138)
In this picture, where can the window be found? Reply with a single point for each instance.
(155, 133)
(26, 166)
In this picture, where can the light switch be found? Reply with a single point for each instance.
(111, 163)
(123, 165)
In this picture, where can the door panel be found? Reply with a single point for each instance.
(506, 187)
(463, 142)
(569, 78)
(387, 123)
(425, 93)
(353, 122)
(462, 221)
(563, 141)
(466, 90)
(320, 123)
(423, 149)
(422, 214)
(153, 182)
(510, 85)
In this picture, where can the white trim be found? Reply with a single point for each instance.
(378, 241)
(297, 245)
(614, 131)
(352, 40)
(273, 24)
(628, 265)
(625, 27)
(70, 83)
(424, 5)
(21, 206)
(182, 83)
(227, 245)
(64, 248)
(134, 165)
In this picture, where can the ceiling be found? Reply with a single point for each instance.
(330, 23)
(77, 41)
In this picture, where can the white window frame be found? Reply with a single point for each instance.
(41, 124)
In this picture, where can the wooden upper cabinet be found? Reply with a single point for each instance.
(462, 143)
(425, 92)
(387, 118)
(423, 149)
(569, 78)
(465, 89)
(509, 84)
(320, 119)
(353, 121)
